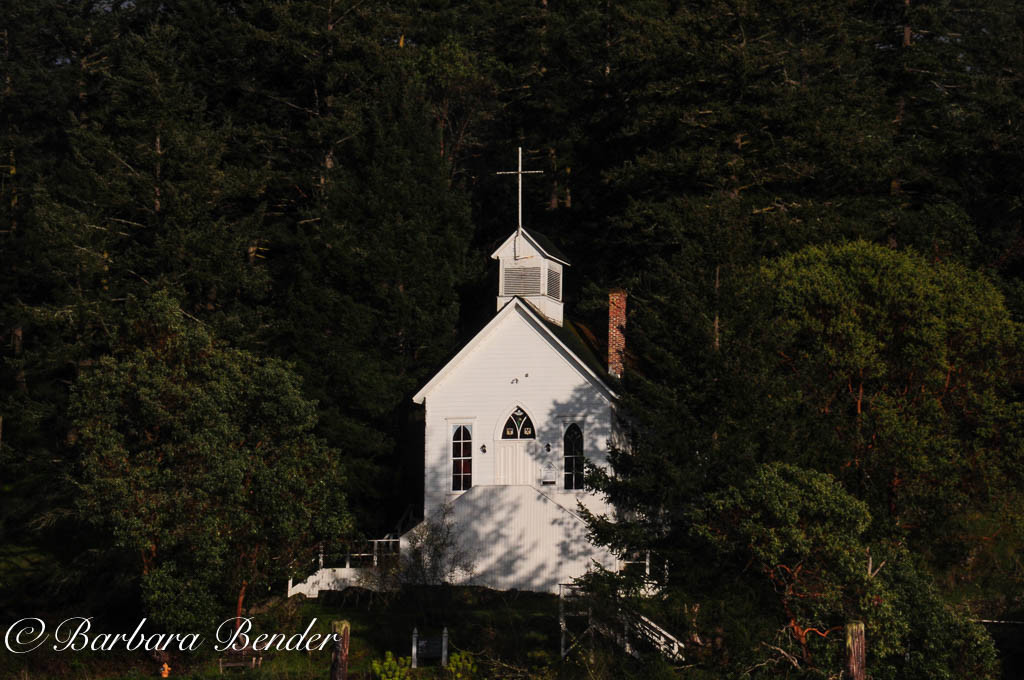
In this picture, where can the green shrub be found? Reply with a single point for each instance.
(391, 668)
(461, 666)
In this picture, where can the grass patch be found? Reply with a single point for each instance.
(509, 634)
(519, 628)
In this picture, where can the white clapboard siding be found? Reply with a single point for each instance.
(516, 361)
(522, 539)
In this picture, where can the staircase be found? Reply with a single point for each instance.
(628, 628)
(355, 569)
(333, 578)
(669, 645)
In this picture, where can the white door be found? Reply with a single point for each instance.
(512, 465)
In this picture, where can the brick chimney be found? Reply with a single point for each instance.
(616, 330)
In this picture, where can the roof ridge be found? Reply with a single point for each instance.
(548, 328)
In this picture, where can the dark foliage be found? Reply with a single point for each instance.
(815, 208)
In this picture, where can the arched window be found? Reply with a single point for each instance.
(462, 454)
(518, 426)
(573, 450)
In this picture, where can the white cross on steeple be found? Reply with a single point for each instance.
(519, 173)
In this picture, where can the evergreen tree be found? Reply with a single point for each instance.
(885, 372)
(368, 237)
(201, 464)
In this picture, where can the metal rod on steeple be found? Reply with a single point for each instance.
(519, 176)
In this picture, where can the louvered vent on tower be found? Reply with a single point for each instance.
(533, 271)
(522, 281)
(554, 284)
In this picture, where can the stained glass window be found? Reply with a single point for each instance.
(518, 426)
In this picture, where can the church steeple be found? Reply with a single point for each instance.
(531, 267)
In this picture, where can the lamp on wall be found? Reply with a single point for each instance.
(483, 448)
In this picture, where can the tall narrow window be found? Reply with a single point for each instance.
(573, 449)
(462, 455)
(518, 426)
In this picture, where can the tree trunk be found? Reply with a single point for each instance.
(906, 27)
(855, 651)
(241, 599)
(607, 38)
(896, 185)
(339, 658)
(19, 377)
(12, 165)
(716, 342)
(156, 175)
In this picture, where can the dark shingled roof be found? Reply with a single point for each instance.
(543, 241)
(547, 245)
(574, 337)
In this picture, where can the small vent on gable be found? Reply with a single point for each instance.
(522, 281)
(554, 284)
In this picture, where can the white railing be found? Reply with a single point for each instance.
(632, 625)
(379, 549)
(351, 569)
(669, 645)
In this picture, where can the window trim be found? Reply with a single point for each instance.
(527, 418)
(575, 475)
(451, 459)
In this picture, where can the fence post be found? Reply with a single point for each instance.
(561, 615)
(339, 659)
(415, 646)
(855, 648)
(444, 647)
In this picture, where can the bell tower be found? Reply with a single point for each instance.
(531, 267)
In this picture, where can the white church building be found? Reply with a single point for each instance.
(509, 421)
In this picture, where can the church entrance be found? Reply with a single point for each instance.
(513, 463)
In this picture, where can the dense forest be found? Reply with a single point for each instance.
(236, 237)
